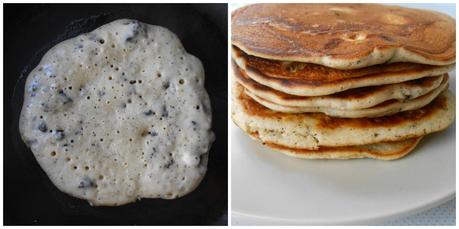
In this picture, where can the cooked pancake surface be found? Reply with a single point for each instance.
(312, 130)
(383, 109)
(315, 80)
(344, 36)
(380, 151)
(357, 98)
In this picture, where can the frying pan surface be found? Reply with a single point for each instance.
(29, 31)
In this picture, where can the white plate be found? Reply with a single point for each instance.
(271, 188)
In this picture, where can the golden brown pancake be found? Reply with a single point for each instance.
(380, 151)
(305, 79)
(344, 36)
(357, 98)
(314, 130)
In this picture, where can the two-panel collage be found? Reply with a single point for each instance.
(229, 114)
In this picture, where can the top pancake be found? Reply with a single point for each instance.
(344, 36)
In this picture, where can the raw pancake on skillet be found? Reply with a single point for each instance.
(119, 114)
(388, 107)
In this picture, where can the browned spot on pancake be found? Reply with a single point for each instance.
(254, 134)
(333, 43)
(386, 38)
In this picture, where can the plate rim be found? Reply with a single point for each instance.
(356, 221)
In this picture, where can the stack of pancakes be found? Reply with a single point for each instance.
(341, 81)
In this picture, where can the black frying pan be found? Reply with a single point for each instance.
(29, 31)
